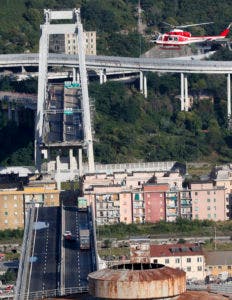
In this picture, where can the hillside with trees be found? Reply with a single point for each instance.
(127, 126)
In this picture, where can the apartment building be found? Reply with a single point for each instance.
(154, 202)
(14, 203)
(68, 43)
(208, 201)
(138, 208)
(222, 176)
(187, 257)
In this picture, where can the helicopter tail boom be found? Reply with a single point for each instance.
(225, 32)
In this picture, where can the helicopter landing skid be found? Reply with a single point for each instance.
(176, 47)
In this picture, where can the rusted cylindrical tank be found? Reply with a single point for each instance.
(137, 281)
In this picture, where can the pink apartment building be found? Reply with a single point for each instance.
(208, 201)
(154, 202)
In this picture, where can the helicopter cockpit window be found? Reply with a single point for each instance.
(170, 38)
(176, 39)
(160, 38)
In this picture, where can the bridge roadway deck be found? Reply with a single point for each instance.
(57, 266)
(120, 63)
(77, 263)
(44, 273)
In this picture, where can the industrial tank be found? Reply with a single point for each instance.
(137, 281)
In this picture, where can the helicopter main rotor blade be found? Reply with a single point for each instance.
(192, 25)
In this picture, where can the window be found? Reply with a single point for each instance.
(209, 216)
(188, 269)
(219, 267)
(177, 260)
(199, 259)
(196, 216)
(208, 192)
(208, 200)
(52, 196)
(196, 201)
(196, 208)
(188, 259)
(166, 261)
(6, 213)
(196, 193)
(161, 195)
(229, 267)
(199, 268)
(15, 197)
(215, 216)
(208, 207)
(6, 221)
(15, 205)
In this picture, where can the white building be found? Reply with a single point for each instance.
(187, 257)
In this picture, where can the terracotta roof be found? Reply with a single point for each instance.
(175, 250)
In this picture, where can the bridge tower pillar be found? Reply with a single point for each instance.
(229, 101)
(42, 134)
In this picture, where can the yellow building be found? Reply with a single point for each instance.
(14, 203)
(219, 263)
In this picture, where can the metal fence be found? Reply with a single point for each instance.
(223, 288)
(52, 293)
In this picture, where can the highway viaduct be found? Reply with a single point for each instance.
(104, 65)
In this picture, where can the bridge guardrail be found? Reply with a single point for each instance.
(52, 293)
(24, 261)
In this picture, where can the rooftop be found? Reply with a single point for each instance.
(175, 250)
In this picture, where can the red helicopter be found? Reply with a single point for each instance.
(179, 37)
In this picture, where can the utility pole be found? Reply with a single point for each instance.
(215, 236)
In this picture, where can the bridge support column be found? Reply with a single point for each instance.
(23, 71)
(186, 97)
(229, 100)
(71, 162)
(78, 77)
(145, 85)
(74, 74)
(141, 82)
(182, 106)
(80, 164)
(16, 116)
(103, 77)
(58, 163)
(9, 111)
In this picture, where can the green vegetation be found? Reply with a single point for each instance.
(128, 127)
(9, 277)
(11, 235)
(179, 229)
